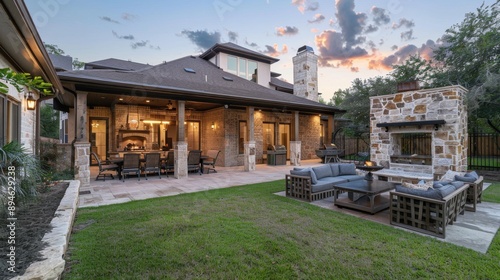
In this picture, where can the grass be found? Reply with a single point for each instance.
(248, 232)
(484, 161)
(492, 193)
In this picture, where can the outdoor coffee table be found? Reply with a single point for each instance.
(363, 195)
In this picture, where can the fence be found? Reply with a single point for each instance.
(483, 150)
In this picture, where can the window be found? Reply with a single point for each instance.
(192, 129)
(13, 121)
(268, 132)
(232, 65)
(242, 136)
(247, 69)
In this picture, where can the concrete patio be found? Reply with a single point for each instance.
(474, 230)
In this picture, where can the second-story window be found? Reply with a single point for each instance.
(247, 69)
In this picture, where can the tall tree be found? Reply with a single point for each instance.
(470, 56)
(54, 49)
(49, 124)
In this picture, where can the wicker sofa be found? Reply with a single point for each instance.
(317, 182)
(428, 211)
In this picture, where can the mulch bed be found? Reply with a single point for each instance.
(33, 221)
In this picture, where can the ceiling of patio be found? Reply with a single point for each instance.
(98, 99)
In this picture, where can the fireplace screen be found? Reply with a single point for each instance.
(412, 148)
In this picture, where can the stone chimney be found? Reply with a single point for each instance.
(305, 74)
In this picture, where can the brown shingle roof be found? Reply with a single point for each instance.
(209, 83)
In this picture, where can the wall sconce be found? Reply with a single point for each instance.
(30, 102)
(170, 106)
(212, 126)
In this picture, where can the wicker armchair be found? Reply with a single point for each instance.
(193, 161)
(104, 167)
(427, 215)
(212, 159)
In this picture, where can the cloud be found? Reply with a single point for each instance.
(274, 50)
(251, 44)
(351, 23)
(314, 30)
(139, 44)
(332, 46)
(287, 30)
(202, 38)
(355, 69)
(126, 37)
(403, 23)
(128, 17)
(233, 36)
(304, 5)
(317, 18)
(371, 28)
(108, 19)
(407, 35)
(426, 51)
(380, 16)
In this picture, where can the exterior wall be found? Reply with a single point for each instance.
(309, 135)
(28, 118)
(305, 75)
(450, 141)
(263, 69)
(213, 139)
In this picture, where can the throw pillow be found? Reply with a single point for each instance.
(424, 187)
(450, 175)
(465, 178)
(305, 172)
(323, 171)
(347, 169)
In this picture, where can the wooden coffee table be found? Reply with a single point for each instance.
(363, 195)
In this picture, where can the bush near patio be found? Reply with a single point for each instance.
(247, 232)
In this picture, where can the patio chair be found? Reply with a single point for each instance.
(152, 164)
(212, 159)
(131, 164)
(168, 166)
(193, 161)
(104, 168)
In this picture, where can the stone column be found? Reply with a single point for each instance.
(295, 144)
(81, 145)
(181, 148)
(250, 143)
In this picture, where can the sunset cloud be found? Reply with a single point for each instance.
(402, 54)
(287, 30)
(304, 5)
(274, 50)
(317, 18)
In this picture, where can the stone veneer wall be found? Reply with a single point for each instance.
(213, 139)
(450, 141)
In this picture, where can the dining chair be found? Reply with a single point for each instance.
(194, 157)
(104, 168)
(168, 165)
(131, 164)
(152, 164)
(211, 160)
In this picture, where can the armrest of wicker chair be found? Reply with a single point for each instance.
(298, 187)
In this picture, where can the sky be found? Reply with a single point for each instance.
(352, 38)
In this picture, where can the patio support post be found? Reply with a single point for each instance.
(329, 130)
(250, 143)
(180, 150)
(81, 145)
(295, 144)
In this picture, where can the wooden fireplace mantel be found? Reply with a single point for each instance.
(419, 124)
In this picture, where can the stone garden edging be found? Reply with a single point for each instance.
(57, 239)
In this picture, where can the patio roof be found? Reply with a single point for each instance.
(190, 78)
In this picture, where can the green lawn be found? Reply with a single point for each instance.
(248, 232)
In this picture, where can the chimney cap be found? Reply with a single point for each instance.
(305, 48)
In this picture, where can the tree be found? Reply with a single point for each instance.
(49, 122)
(413, 69)
(54, 49)
(470, 56)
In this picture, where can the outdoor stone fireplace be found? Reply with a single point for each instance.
(422, 131)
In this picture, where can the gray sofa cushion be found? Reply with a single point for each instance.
(304, 172)
(446, 190)
(323, 171)
(472, 174)
(333, 180)
(335, 169)
(321, 186)
(457, 184)
(347, 169)
(430, 193)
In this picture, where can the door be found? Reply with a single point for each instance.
(284, 137)
(99, 137)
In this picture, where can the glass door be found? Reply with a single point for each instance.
(284, 137)
(99, 138)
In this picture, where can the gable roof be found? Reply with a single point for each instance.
(233, 49)
(117, 64)
(208, 83)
